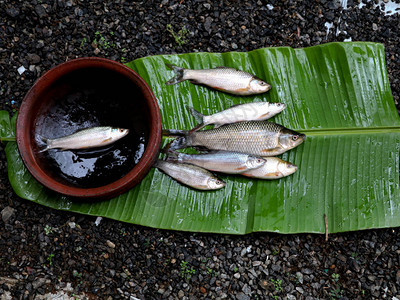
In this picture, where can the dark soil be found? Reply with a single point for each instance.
(45, 251)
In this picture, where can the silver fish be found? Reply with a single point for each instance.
(273, 168)
(220, 161)
(190, 175)
(224, 79)
(256, 111)
(86, 138)
(260, 138)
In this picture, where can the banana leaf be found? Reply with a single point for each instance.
(338, 94)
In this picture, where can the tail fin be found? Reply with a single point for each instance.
(178, 143)
(46, 141)
(174, 156)
(179, 74)
(174, 132)
(199, 118)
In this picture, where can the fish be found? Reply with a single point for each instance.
(86, 138)
(260, 138)
(255, 111)
(224, 79)
(190, 175)
(219, 161)
(274, 168)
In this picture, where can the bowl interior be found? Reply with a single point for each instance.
(88, 97)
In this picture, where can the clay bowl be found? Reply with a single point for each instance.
(83, 93)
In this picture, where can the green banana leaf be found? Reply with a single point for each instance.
(337, 93)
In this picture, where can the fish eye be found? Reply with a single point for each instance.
(278, 104)
(121, 130)
(295, 137)
(259, 160)
(218, 182)
(262, 82)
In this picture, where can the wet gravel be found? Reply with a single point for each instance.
(46, 252)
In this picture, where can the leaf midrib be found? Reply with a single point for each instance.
(350, 130)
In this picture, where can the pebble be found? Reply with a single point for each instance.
(40, 10)
(110, 244)
(33, 58)
(21, 70)
(7, 214)
(12, 12)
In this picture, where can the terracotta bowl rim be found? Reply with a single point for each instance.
(24, 133)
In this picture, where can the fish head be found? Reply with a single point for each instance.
(259, 86)
(214, 183)
(290, 139)
(117, 133)
(286, 168)
(254, 162)
(276, 108)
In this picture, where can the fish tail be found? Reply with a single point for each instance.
(198, 116)
(173, 156)
(46, 141)
(174, 132)
(178, 143)
(179, 74)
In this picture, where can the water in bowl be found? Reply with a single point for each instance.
(89, 99)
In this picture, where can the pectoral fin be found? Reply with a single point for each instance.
(270, 152)
(106, 140)
(241, 168)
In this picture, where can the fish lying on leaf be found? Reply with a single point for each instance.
(224, 79)
(256, 111)
(274, 168)
(219, 161)
(190, 175)
(261, 138)
(86, 138)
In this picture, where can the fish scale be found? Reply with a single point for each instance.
(249, 137)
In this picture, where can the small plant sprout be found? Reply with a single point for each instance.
(50, 259)
(277, 284)
(83, 42)
(180, 37)
(335, 277)
(186, 271)
(48, 229)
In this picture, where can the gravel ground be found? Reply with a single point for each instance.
(44, 252)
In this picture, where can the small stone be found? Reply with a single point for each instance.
(40, 10)
(299, 277)
(181, 294)
(256, 263)
(207, 24)
(374, 27)
(96, 51)
(300, 290)
(21, 70)
(98, 220)
(110, 244)
(236, 275)
(33, 58)
(72, 225)
(7, 213)
(12, 12)
(242, 296)
(246, 289)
